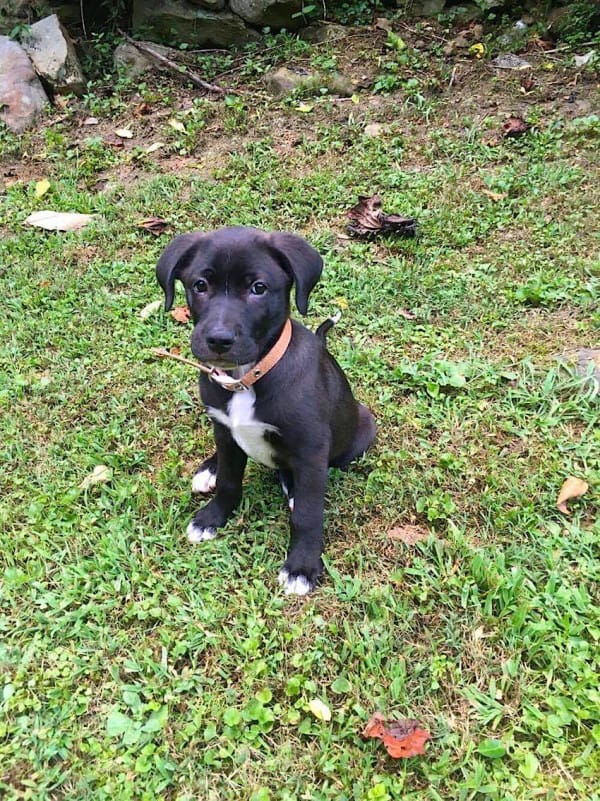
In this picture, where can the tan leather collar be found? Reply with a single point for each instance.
(260, 369)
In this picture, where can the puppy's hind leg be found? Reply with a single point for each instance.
(363, 439)
(204, 479)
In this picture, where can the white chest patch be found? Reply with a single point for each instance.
(247, 431)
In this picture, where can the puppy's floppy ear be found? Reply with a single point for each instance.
(301, 261)
(175, 258)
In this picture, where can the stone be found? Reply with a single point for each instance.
(272, 13)
(134, 62)
(374, 130)
(179, 19)
(585, 364)
(510, 62)
(467, 12)
(22, 96)
(339, 84)
(427, 8)
(321, 32)
(285, 80)
(52, 52)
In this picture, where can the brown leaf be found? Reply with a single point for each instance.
(408, 315)
(408, 534)
(367, 219)
(571, 488)
(495, 196)
(142, 109)
(402, 738)
(527, 83)
(113, 141)
(154, 225)
(181, 314)
(515, 126)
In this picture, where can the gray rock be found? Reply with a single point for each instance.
(374, 130)
(427, 8)
(214, 5)
(585, 364)
(275, 13)
(134, 62)
(192, 24)
(22, 96)
(467, 12)
(53, 55)
(339, 84)
(320, 32)
(510, 62)
(285, 80)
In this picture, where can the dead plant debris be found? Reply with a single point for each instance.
(368, 219)
(402, 738)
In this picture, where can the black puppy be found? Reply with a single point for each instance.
(276, 394)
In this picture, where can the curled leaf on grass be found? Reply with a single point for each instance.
(514, 126)
(154, 225)
(59, 220)
(402, 738)
(320, 710)
(368, 219)
(571, 488)
(99, 475)
(181, 314)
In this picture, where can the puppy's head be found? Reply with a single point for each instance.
(237, 284)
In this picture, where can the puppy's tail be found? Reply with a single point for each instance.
(325, 326)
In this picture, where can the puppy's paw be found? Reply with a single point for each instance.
(196, 533)
(294, 584)
(204, 481)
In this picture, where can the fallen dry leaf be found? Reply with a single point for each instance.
(495, 196)
(367, 219)
(142, 109)
(113, 141)
(402, 738)
(154, 225)
(527, 83)
(181, 314)
(572, 488)
(59, 220)
(99, 475)
(178, 126)
(150, 308)
(320, 710)
(408, 534)
(90, 121)
(515, 126)
(41, 187)
(154, 147)
(124, 133)
(408, 315)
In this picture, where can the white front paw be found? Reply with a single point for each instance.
(296, 585)
(204, 481)
(199, 534)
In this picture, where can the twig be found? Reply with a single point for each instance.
(82, 15)
(178, 69)
(165, 354)
(453, 76)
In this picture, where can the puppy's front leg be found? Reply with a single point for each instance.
(303, 565)
(231, 463)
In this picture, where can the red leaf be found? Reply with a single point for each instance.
(402, 738)
(515, 126)
(181, 314)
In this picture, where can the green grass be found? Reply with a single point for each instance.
(134, 666)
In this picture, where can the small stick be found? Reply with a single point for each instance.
(453, 76)
(164, 354)
(175, 68)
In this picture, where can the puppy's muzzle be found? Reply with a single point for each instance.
(220, 340)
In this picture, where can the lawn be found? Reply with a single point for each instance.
(136, 666)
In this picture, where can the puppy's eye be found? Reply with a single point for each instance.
(201, 285)
(258, 288)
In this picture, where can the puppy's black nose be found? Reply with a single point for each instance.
(220, 340)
